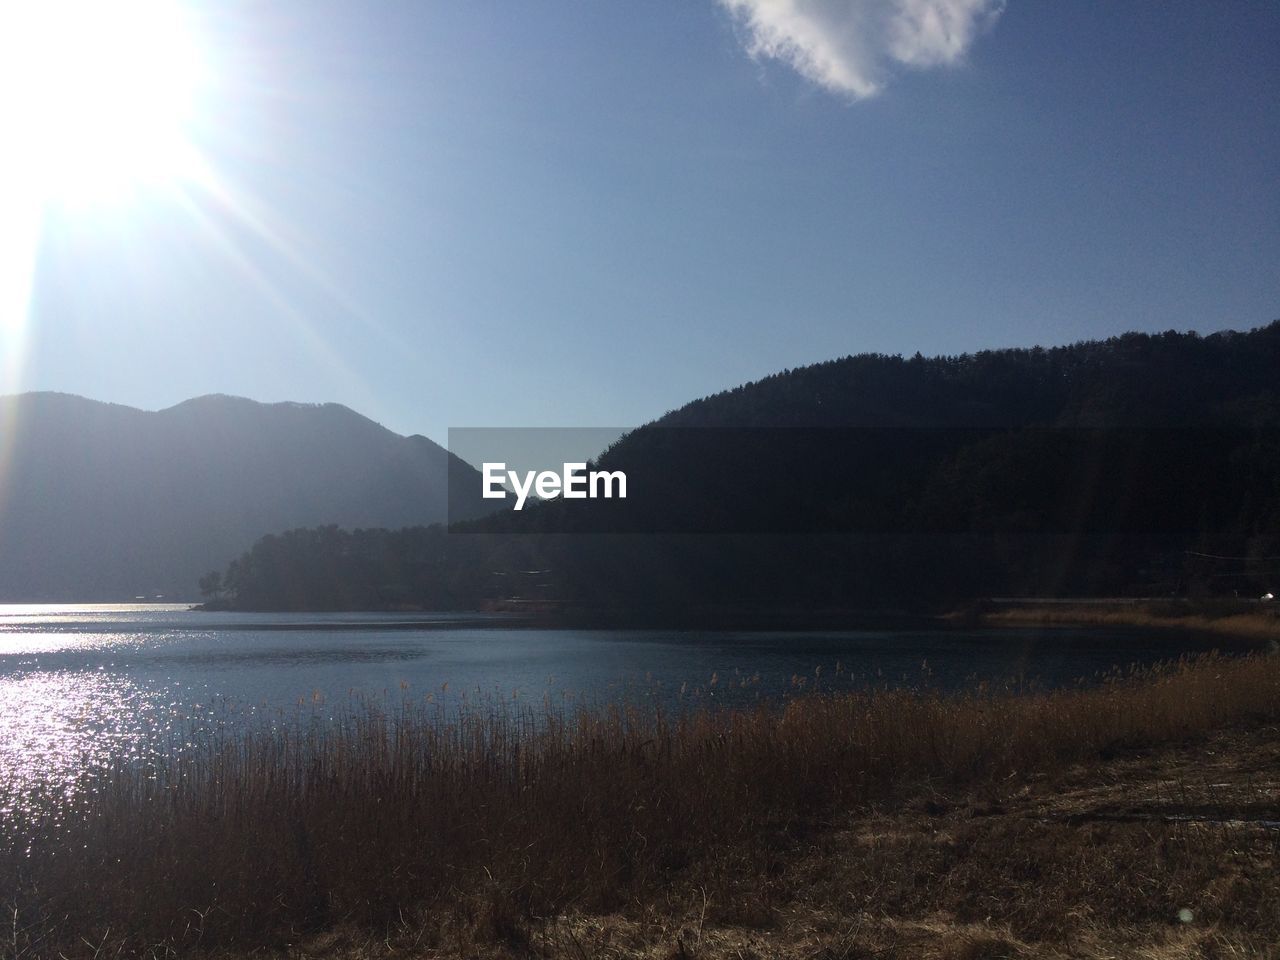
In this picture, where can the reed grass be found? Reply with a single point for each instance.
(485, 820)
(1230, 618)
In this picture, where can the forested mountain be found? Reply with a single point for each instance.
(1104, 467)
(102, 501)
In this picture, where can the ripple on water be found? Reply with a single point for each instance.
(56, 725)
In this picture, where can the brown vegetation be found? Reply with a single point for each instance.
(1245, 620)
(891, 823)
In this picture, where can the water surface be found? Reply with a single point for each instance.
(90, 684)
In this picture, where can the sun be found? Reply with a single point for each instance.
(99, 97)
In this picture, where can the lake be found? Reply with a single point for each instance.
(88, 684)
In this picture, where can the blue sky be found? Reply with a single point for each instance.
(542, 214)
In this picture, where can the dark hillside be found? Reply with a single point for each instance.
(1104, 467)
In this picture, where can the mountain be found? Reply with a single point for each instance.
(1136, 379)
(1102, 467)
(808, 446)
(102, 501)
(1110, 467)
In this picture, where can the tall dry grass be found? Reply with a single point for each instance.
(484, 821)
(1243, 620)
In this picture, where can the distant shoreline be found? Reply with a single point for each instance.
(584, 616)
(1240, 619)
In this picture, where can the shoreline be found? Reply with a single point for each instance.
(1251, 620)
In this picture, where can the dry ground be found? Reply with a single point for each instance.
(1160, 854)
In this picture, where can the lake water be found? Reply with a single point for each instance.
(84, 684)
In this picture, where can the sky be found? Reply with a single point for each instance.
(573, 214)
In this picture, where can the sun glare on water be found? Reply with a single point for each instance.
(99, 98)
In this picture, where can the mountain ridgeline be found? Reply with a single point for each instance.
(1140, 465)
(105, 502)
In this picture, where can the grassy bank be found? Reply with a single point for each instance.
(509, 833)
(1246, 620)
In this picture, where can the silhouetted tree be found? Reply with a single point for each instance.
(211, 585)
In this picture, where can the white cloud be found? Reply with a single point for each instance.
(851, 46)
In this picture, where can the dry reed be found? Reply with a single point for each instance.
(491, 818)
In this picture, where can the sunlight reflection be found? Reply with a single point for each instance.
(53, 726)
(18, 616)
